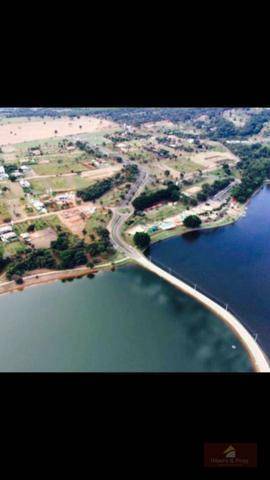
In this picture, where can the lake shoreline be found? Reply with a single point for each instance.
(53, 276)
(44, 278)
(159, 237)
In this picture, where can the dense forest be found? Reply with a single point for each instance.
(220, 128)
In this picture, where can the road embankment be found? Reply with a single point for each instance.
(257, 357)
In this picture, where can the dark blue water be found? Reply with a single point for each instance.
(232, 263)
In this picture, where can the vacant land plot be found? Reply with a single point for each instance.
(39, 224)
(60, 184)
(14, 201)
(100, 218)
(212, 160)
(193, 190)
(74, 219)
(4, 212)
(43, 238)
(14, 248)
(159, 214)
(58, 127)
(58, 168)
(183, 165)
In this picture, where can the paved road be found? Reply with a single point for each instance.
(223, 194)
(120, 218)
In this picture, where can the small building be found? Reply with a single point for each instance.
(166, 225)
(16, 174)
(24, 168)
(39, 206)
(64, 198)
(24, 183)
(26, 237)
(36, 151)
(8, 237)
(2, 170)
(3, 177)
(6, 229)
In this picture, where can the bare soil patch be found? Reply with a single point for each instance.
(43, 238)
(75, 219)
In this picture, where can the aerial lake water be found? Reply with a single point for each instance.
(124, 321)
(232, 263)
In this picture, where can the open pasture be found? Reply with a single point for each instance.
(55, 127)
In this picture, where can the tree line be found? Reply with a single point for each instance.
(211, 190)
(148, 199)
(128, 174)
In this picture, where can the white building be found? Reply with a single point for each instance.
(26, 237)
(16, 174)
(3, 176)
(25, 168)
(2, 170)
(6, 229)
(24, 183)
(8, 237)
(39, 206)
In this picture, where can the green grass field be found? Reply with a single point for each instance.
(163, 212)
(54, 168)
(40, 186)
(183, 165)
(40, 224)
(98, 219)
(95, 138)
(14, 248)
(4, 212)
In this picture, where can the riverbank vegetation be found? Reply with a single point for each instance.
(192, 221)
(142, 240)
(254, 167)
(66, 252)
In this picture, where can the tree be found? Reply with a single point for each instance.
(192, 221)
(142, 240)
(167, 173)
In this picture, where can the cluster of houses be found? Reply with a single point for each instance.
(15, 174)
(212, 210)
(7, 235)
